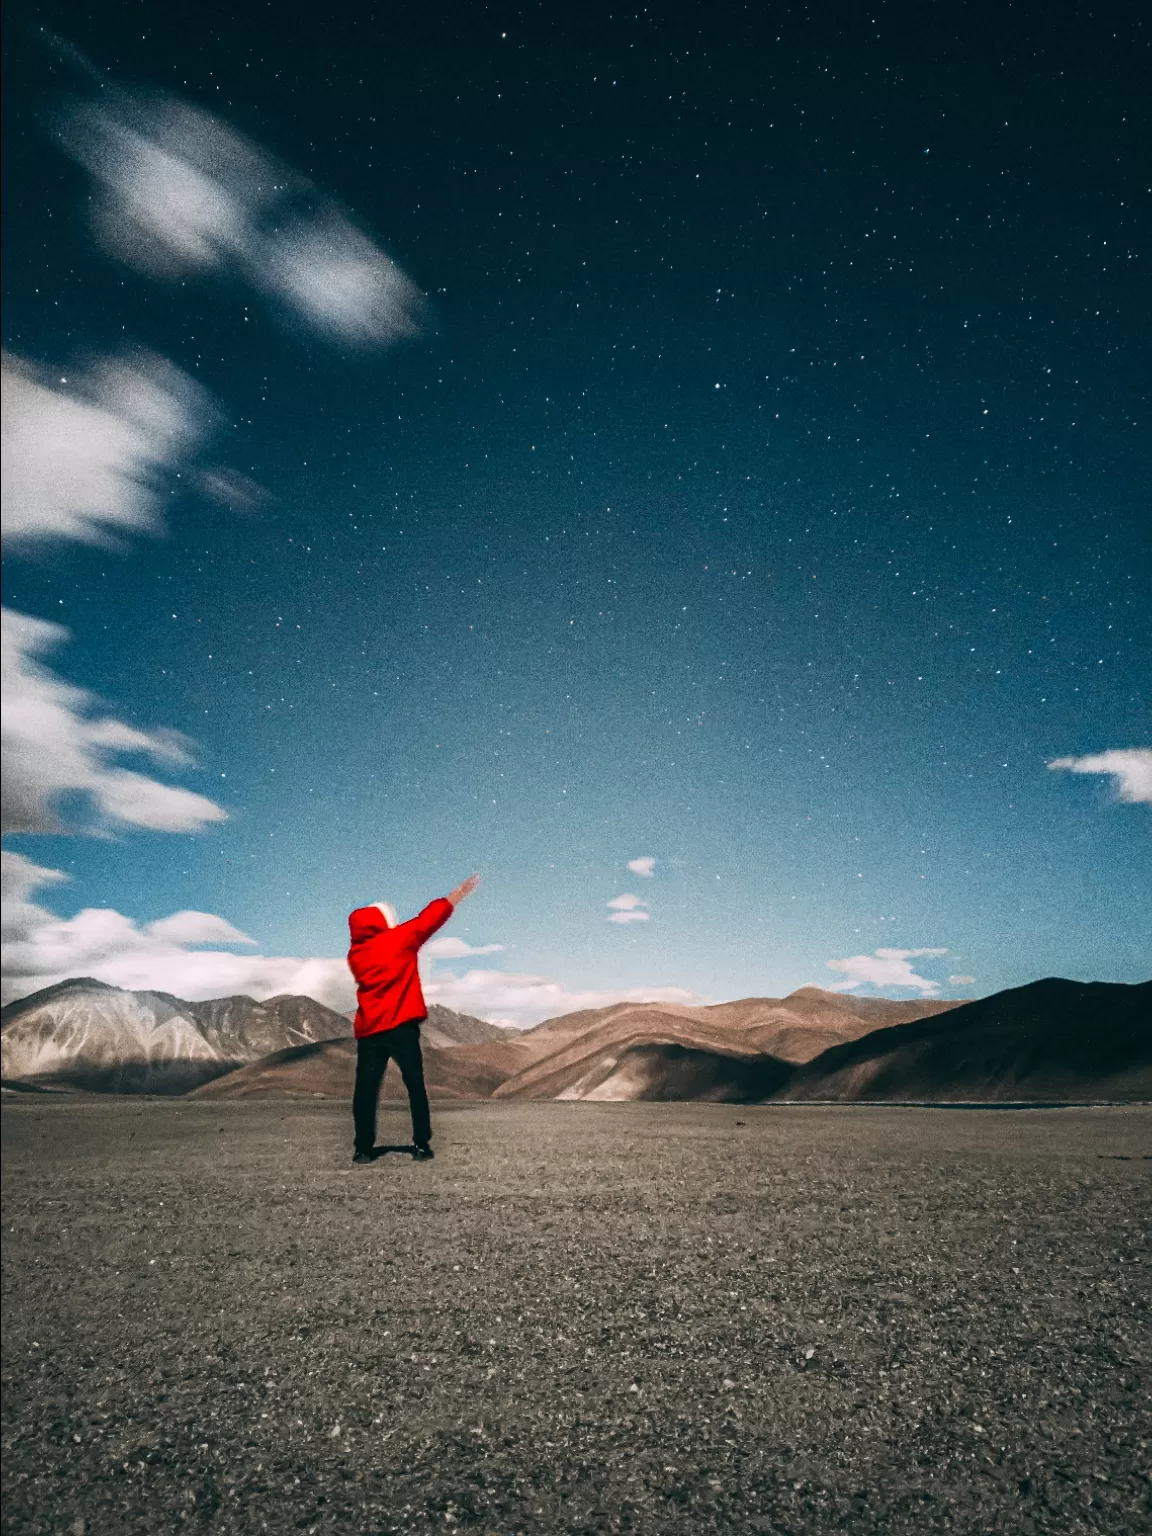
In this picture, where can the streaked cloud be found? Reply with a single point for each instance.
(885, 969)
(644, 866)
(961, 981)
(1130, 768)
(627, 909)
(55, 741)
(181, 193)
(88, 453)
(20, 876)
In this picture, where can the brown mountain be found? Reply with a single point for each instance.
(731, 1051)
(634, 1050)
(1050, 1040)
(82, 1033)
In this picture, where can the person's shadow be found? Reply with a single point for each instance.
(384, 1151)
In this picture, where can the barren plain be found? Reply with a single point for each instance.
(654, 1318)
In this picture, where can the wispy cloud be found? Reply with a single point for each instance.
(644, 866)
(196, 928)
(20, 876)
(179, 192)
(627, 909)
(41, 949)
(55, 742)
(86, 454)
(885, 968)
(961, 981)
(1130, 768)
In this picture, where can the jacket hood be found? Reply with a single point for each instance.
(367, 923)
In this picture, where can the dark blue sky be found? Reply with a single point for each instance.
(765, 492)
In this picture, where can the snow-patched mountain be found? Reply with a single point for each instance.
(445, 1028)
(85, 1034)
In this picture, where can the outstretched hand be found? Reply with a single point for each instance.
(465, 888)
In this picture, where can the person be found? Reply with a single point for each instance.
(390, 1010)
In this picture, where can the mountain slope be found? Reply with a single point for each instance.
(328, 1069)
(85, 1034)
(1052, 1039)
(444, 1027)
(655, 1071)
(584, 1054)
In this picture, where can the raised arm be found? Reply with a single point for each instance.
(463, 890)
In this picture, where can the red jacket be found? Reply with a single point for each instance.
(383, 961)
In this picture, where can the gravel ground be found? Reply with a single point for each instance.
(662, 1319)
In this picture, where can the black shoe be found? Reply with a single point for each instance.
(363, 1157)
(422, 1153)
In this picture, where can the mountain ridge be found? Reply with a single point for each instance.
(1049, 1039)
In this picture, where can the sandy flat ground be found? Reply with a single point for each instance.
(579, 1318)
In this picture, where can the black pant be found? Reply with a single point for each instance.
(402, 1044)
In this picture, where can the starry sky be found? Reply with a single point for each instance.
(708, 439)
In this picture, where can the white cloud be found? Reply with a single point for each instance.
(53, 743)
(41, 949)
(179, 192)
(644, 866)
(342, 284)
(627, 909)
(448, 948)
(885, 968)
(20, 878)
(196, 928)
(88, 453)
(1130, 767)
(961, 981)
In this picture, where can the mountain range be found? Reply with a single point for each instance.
(1051, 1040)
(742, 1049)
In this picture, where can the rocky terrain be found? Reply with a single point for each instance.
(661, 1319)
